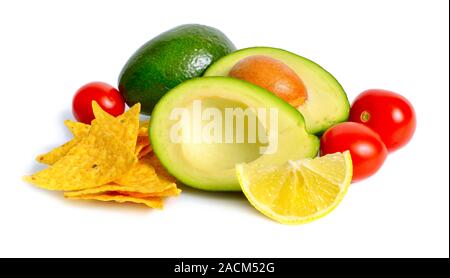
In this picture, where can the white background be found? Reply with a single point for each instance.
(50, 48)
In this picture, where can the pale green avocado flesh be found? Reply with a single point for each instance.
(211, 165)
(326, 103)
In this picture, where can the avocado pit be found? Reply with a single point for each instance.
(273, 75)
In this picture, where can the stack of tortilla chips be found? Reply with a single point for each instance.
(109, 160)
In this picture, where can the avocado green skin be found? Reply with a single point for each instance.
(174, 56)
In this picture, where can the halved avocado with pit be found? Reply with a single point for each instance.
(211, 165)
(326, 103)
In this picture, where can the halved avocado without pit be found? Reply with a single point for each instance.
(210, 165)
(326, 103)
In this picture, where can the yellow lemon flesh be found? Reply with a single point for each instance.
(299, 191)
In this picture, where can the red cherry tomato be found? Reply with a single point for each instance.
(366, 148)
(105, 95)
(387, 113)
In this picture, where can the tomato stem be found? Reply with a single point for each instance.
(365, 116)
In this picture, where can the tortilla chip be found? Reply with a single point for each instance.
(97, 159)
(122, 190)
(163, 175)
(143, 174)
(124, 127)
(140, 178)
(174, 191)
(54, 155)
(100, 162)
(143, 128)
(141, 143)
(79, 130)
(145, 151)
(146, 178)
(153, 202)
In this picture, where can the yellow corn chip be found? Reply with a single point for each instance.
(100, 162)
(142, 142)
(111, 187)
(143, 173)
(163, 175)
(166, 193)
(145, 151)
(79, 131)
(123, 190)
(146, 177)
(97, 159)
(140, 178)
(54, 155)
(153, 202)
(143, 128)
(125, 128)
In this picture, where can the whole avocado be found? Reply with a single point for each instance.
(167, 60)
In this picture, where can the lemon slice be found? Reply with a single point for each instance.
(299, 191)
